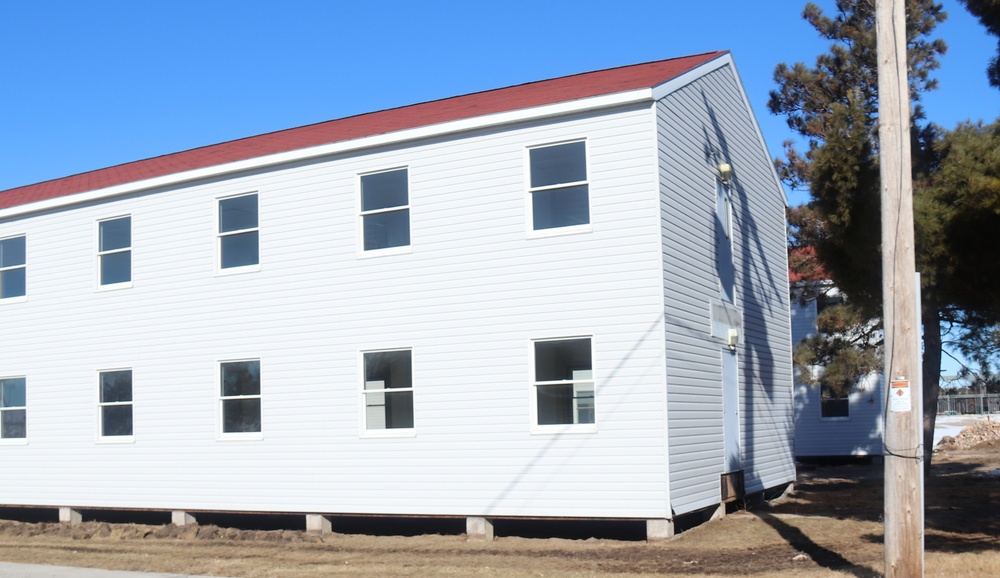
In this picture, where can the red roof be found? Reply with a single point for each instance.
(564, 89)
(804, 266)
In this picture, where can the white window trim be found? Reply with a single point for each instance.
(219, 270)
(529, 205)
(18, 441)
(363, 418)
(570, 428)
(400, 250)
(221, 435)
(101, 438)
(131, 276)
(19, 298)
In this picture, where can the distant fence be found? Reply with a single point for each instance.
(964, 403)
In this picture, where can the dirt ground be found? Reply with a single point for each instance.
(830, 524)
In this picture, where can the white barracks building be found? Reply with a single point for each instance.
(563, 299)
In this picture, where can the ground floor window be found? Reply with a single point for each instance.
(564, 381)
(240, 396)
(388, 390)
(13, 408)
(116, 402)
(833, 403)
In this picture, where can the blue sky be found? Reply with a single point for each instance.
(90, 84)
(96, 83)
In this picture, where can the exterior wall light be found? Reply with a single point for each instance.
(725, 173)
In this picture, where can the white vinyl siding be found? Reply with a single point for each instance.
(468, 304)
(712, 108)
(860, 433)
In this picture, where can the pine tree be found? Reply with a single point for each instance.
(988, 12)
(833, 106)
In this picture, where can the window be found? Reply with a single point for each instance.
(12, 268)
(724, 209)
(114, 251)
(559, 189)
(388, 390)
(240, 396)
(564, 382)
(239, 233)
(115, 403)
(13, 414)
(385, 210)
(832, 404)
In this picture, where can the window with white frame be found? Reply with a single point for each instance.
(115, 402)
(385, 210)
(388, 389)
(13, 408)
(564, 381)
(239, 232)
(13, 267)
(240, 396)
(114, 251)
(558, 186)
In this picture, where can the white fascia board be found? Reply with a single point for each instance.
(690, 76)
(678, 82)
(501, 118)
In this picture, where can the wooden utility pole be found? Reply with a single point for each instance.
(904, 483)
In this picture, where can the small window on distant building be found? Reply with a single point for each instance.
(116, 403)
(114, 251)
(831, 405)
(13, 268)
(240, 396)
(564, 382)
(559, 190)
(13, 408)
(385, 210)
(388, 390)
(239, 232)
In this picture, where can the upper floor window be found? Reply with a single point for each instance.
(564, 382)
(385, 210)
(559, 191)
(239, 232)
(724, 210)
(388, 393)
(115, 403)
(13, 413)
(239, 396)
(114, 251)
(13, 266)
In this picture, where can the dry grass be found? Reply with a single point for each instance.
(831, 525)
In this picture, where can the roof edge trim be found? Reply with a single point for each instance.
(690, 76)
(441, 129)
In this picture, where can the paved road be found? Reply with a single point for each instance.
(9, 570)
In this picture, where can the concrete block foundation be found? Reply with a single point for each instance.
(479, 529)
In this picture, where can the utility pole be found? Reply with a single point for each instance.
(903, 453)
